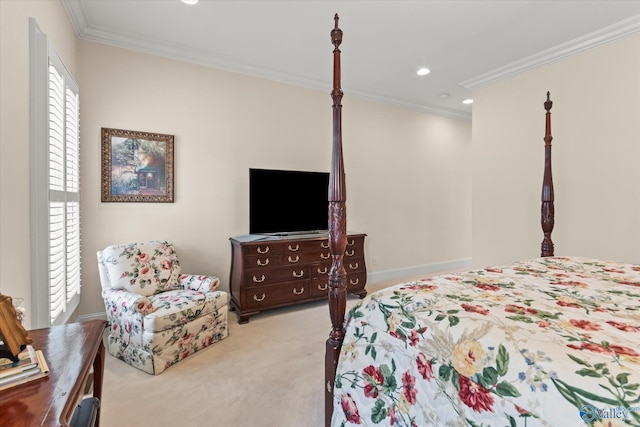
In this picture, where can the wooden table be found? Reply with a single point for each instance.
(70, 351)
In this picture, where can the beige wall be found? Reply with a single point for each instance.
(225, 123)
(14, 129)
(595, 125)
(408, 172)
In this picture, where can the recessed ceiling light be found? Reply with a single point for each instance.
(423, 71)
(190, 2)
(445, 95)
(468, 101)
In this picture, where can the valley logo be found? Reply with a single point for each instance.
(590, 413)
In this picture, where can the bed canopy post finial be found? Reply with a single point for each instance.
(336, 40)
(547, 214)
(337, 233)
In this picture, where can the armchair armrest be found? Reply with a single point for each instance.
(200, 283)
(121, 301)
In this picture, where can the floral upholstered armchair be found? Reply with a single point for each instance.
(158, 316)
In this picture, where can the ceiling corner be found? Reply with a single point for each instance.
(619, 30)
(77, 14)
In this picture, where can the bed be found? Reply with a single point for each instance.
(551, 341)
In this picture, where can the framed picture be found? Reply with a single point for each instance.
(136, 166)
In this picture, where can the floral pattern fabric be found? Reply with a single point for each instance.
(162, 311)
(143, 268)
(547, 342)
(158, 317)
(153, 352)
(199, 282)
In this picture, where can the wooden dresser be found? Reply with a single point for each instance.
(279, 271)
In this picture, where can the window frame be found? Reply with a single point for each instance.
(41, 55)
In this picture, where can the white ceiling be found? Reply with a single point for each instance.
(466, 44)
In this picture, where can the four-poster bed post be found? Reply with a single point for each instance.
(547, 214)
(337, 224)
(337, 233)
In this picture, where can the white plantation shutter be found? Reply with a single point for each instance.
(57, 266)
(73, 250)
(72, 143)
(55, 186)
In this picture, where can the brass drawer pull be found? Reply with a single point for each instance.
(323, 287)
(256, 280)
(298, 293)
(351, 266)
(294, 249)
(255, 297)
(325, 256)
(294, 260)
(351, 243)
(298, 275)
(324, 246)
(261, 251)
(323, 271)
(347, 253)
(354, 282)
(262, 264)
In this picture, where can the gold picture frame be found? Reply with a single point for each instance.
(137, 166)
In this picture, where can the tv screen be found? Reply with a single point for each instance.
(283, 201)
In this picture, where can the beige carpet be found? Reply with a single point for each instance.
(268, 372)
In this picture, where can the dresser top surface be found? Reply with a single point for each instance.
(257, 238)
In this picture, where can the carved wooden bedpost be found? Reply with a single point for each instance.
(337, 233)
(547, 214)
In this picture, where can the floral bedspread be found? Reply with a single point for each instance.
(546, 342)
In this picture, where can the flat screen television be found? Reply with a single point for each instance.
(286, 202)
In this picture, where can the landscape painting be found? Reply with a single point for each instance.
(136, 166)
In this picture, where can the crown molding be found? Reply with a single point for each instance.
(431, 109)
(86, 31)
(77, 14)
(611, 33)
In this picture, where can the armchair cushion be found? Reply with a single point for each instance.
(174, 308)
(143, 268)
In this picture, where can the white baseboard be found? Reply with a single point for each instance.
(92, 316)
(455, 264)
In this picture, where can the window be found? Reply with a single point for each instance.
(55, 185)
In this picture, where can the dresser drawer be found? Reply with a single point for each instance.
(304, 246)
(319, 287)
(356, 281)
(302, 257)
(262, 248)
(353, 252)
(354, 265)
(266, 276)
(321, 269)
(265, 260)
(355, 242)
(262, 297)
(350, 265)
